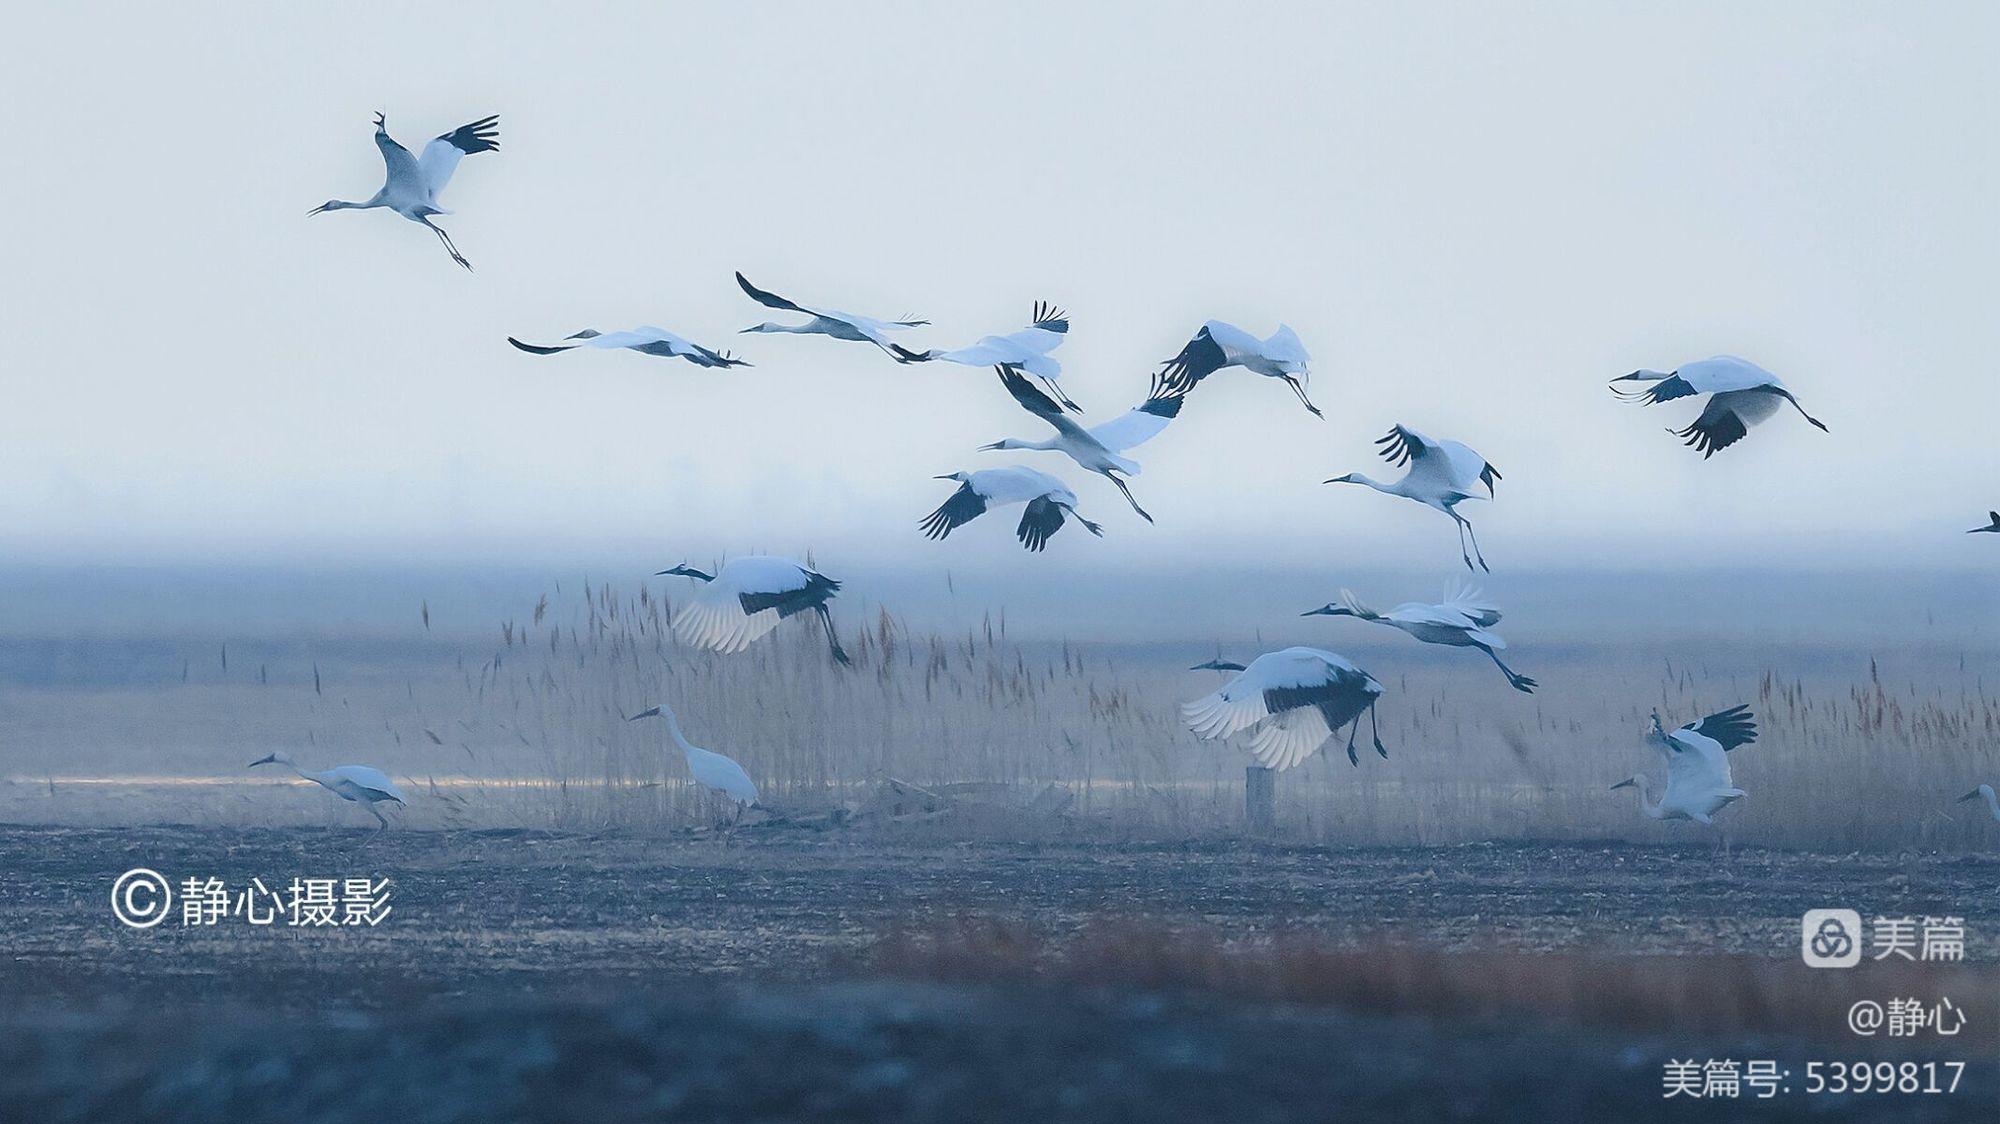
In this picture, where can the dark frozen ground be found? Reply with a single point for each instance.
(531, 975)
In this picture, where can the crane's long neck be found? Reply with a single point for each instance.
(1369, 481)
(674, 729)
(1992, 801)
(1024, 443)
(316, 778)
(1647, 804)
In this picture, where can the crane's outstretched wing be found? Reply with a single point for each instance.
(441, 156)
(963, 507)
(1049, 318)
(1143, 422)
(543, 349)
(1201, 358)
(1289, 737)
(770, 300)
(1029, 395)
(1448, 459)
(402, 166)
(1225, 712)
(1730, 728)
(1665, 388)
(1715, 429)
(721, 620)
(1043, 518)
(1401, 445)
(805, 591)
(1473, 604)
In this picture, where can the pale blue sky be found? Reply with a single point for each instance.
(1474, 215)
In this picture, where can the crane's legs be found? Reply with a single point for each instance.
(1374, 730)
(1352, 731)
(1301, 392)
(446, 239)
(1056, 391)
(378, 817)
(1128, 496)
(1462, 552)
(1465, 528)
(832, 641)
(1519, 682)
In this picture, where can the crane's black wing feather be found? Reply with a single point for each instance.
(1400, 447)
(1030, 396)
(1043, 518)
(1665, 390)
(538, 349)
(816, 592)
(1201, 358)
(1339, 700)
(963, 507)
(1732, 728)
(769, 300)
(1716, 429)
(482, 135)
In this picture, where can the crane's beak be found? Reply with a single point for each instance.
(317, 210)
(946, 476)
(262, 761)
(1325, 611)
(1973, 795)
(651, 713)
(1621, 784)
(984, 449)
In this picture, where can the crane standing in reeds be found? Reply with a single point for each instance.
(1986, 791)
(710, 769)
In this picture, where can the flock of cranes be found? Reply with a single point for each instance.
(1289, 702)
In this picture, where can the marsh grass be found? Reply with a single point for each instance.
(1873, 762)
(527, 728)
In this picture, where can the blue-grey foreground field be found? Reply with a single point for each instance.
(889, 974)
(995, 878)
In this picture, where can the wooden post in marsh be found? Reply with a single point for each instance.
(1260, 800)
